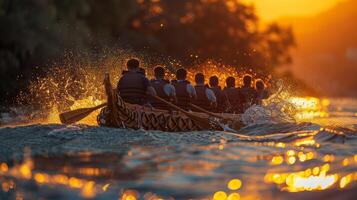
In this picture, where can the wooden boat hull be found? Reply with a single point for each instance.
(119, 114)
(143, 118)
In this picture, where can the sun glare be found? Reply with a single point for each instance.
(275, 9)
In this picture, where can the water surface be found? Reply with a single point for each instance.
(314, 157)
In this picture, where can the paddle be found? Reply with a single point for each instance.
(205, 111)
(234, 123)
(73, 116)
(202, 122)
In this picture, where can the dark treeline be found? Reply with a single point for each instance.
(37, 32)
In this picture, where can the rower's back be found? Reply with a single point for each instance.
(221, 100)
(202, 97)
(181, 86)
(235, 100)
(132, 86)
(261, 91)
(249, 92)
(163, 89)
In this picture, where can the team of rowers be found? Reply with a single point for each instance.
(135, 88)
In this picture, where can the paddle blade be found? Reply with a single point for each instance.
(73, 116)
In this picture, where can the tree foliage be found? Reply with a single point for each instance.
(35, 32)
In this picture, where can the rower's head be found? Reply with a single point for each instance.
(259, 85)
(230, 82)
(159, 72)
(133, 64)
(213, 81)
(200, 78)
(181, 74)
(247, 80)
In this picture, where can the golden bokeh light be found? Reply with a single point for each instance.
(309, 108)
(345, 180)
(234, 184)
(303, 180)
(233, 196)
(291, 160)
(315, 178)
(105, 187)
(345, 162)
(277, 160)
(220, 195)
(3, 168)
(328, 158)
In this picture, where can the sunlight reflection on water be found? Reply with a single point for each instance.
(263, 164)
(86, 173)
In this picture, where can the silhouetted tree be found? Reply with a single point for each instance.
(226, 31)
(34, 33)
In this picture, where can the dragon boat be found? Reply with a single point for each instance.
(119, 114)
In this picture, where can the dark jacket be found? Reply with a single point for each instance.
(183, 97)
(159, 85)
(132, 88)
(202, 100)
(235, 100)
(250, 96)
(262, 94)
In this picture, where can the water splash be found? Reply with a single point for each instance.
(282, 107)
(78, 84)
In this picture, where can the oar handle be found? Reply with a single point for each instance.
(171, 104)
(203, 123)
(100, 106)
(205, 111)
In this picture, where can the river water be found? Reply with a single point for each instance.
(312, 156)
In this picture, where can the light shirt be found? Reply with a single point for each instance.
(209, 94)
(169, 90)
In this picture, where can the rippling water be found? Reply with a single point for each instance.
(315, 157)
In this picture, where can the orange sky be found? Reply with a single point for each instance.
(326, 40)
(273, 9)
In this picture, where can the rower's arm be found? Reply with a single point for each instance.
(150, 91)
(191, 90)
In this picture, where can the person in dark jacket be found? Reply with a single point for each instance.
(221, 100)
(249, 92)
(206, 98)
(163, 89)
(261, 91)
(185, 92)
(142, 71)
(235, 99)
(133, 86)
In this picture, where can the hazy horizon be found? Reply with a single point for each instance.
(291, 8)
(326, 42)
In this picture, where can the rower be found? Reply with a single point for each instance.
(206, 98)
(214, 86)
(235, 99)
(249, 93)
(142, 71)
(163, 89)
(133, 86)
(185, 92)
(261, 91)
